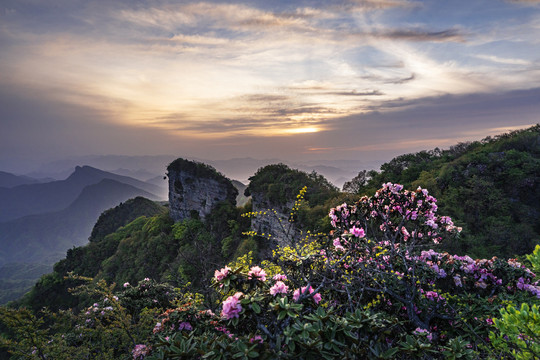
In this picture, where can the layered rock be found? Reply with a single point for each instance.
(196, 188)
(274, 190)
(272, 218)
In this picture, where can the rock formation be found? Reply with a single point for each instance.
(196, 188)
(274, 190)
(273, 219)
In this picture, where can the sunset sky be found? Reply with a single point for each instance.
(299, 80)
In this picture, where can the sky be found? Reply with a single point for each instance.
(299, 80)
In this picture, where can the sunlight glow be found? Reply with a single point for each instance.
(302, 130)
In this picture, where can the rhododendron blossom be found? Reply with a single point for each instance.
(140, 351)
(185, 326)
(358, 232)
(231, 306)
(280, 277)
(337, 245)
(257, 273)
(296, 296)
(279, 288)
(221, 274)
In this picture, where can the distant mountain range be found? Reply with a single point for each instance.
(39, 198)
(41, 221)
(8, 180)
(152, 168)
(44, 238)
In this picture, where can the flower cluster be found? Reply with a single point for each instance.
(232, 306)
(397, 212)
(302, 291)
(140, 351)
(222, 273)
(279, 288)
(257, 273)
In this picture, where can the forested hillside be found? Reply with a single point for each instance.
(490, 187)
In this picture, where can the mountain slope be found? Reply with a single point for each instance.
(32, 199)
(491, 188)
(37, 241)
(8, 180)
(45, 237)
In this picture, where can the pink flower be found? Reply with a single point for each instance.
(358, 232)
(221, 274)
(432, 295)
(338, 246)
(126, 284)
(280, 277)
(257, 273)
(140, 351)
(185, 326)
(231, 306)
(256, 338)
(317, 297)
(279, 288)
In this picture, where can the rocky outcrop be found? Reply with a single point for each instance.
(274, 190)
(273, 219)
(196, 188)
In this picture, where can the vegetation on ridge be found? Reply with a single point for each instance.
(491, 188)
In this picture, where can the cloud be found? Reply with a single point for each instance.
(422, 35)
(500, 60)
(355, 93)
(220, 71)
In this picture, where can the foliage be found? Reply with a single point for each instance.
(154, 247)
(106, 330)
(521, 328)
(278, 184)
(534, 259)
(110, 220)
(491, 188)
(373, 289)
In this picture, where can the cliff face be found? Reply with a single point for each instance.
(274, 190)
(196, 188)
(273, 220)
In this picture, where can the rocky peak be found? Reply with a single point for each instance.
(196, 188)
(274, 189)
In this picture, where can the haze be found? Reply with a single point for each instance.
(297, 80)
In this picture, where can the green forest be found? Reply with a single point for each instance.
(434, 256)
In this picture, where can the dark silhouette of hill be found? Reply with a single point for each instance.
(45, 237)
(110, 220)
(9, 180)
(34, 199)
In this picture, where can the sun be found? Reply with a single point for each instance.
(302, 130)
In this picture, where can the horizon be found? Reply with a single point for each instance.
(302, 81)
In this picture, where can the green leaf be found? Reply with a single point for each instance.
(256, 308)
(389, 353)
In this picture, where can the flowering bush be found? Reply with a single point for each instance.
(374, 288)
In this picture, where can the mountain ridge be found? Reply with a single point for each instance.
(32, 199)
